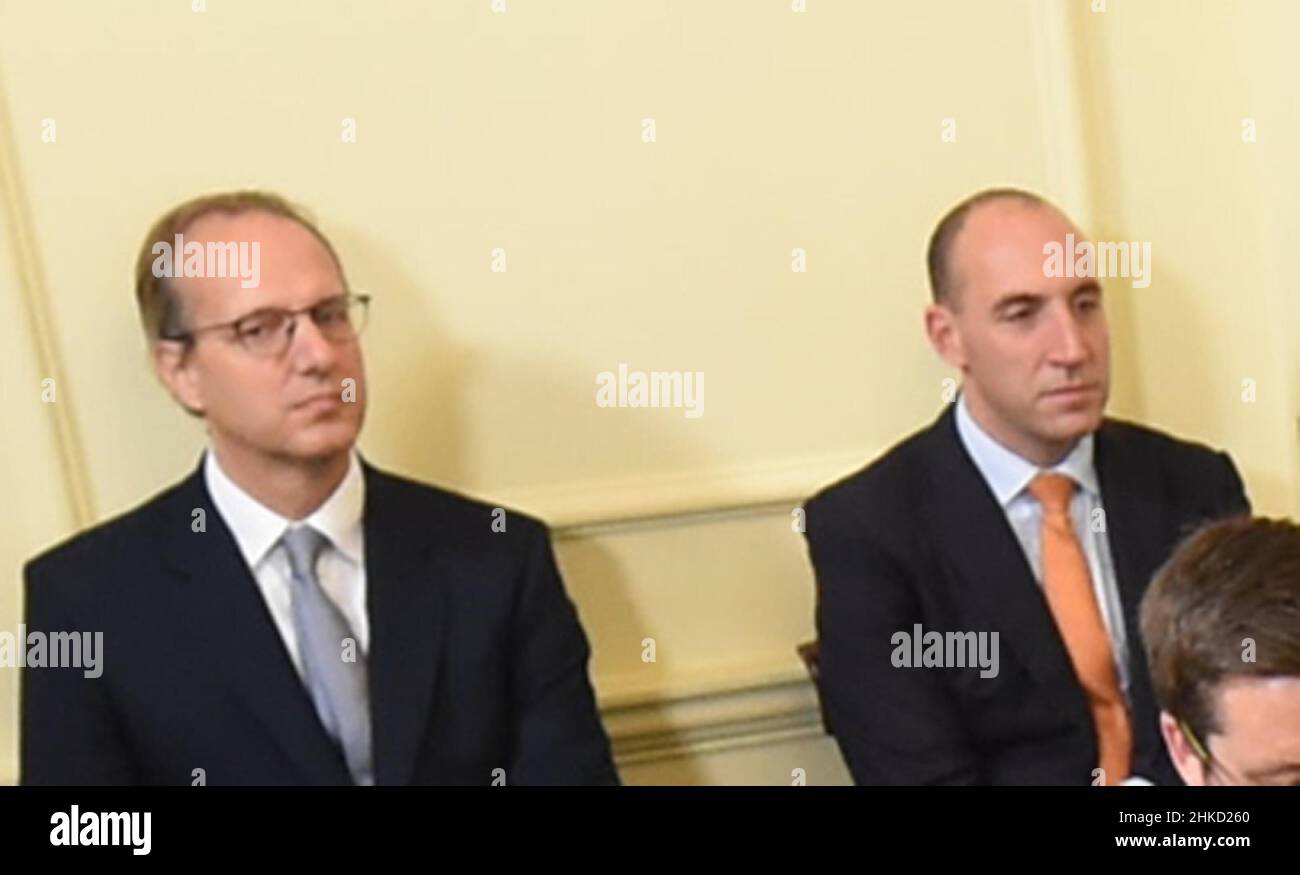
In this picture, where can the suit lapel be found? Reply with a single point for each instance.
(1138, 529)
(1135, 519)
(406, 581)
(223, 615)
(979, 547)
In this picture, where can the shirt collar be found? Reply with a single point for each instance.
(1007, 473)
(257, 528)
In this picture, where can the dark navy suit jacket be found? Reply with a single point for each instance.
(477, 660)
(918, 537)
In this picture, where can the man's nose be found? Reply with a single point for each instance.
(1069, 347)
(309, 349)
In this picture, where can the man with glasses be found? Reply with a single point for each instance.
(1221, 625)
(288, 613)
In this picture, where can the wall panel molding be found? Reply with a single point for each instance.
(33, 290)
(591, 508)
(734, 713)
(1058, 58)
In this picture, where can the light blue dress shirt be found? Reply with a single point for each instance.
(1008, 477)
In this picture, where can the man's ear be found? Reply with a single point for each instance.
(173, 365)
(941, 328)
(1185, 758)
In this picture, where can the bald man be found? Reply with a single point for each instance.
(979, 583)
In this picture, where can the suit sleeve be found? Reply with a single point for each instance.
(557, 737)
(1232, 494)
(69, 734)
(895, 726)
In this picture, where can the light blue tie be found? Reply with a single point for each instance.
(338, 687)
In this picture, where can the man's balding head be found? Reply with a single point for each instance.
(1032, 345)
(941, 260)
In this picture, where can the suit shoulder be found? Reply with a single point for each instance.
(1185, 474)
(114, 539)
(889, 477)
(1161, 448)
(452, 508)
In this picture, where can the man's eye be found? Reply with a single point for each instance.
(331, 313)
(258, 326)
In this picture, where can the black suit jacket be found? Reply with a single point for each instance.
(918, 537)
(477, 661)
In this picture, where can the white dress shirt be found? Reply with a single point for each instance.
(1008, 476)
(341, 567)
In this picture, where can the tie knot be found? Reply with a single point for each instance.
(1053, 491)
(303, 544)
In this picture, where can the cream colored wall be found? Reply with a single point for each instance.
(775, 130)
(1174, 83)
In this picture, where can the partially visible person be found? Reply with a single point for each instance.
(1221, 626)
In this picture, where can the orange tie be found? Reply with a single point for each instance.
(1074, 606)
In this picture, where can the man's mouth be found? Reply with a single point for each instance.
(1069, 392)
(319, 400)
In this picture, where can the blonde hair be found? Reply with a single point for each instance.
(160, 307)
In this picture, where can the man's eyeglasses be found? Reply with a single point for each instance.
(267, 333)
(1234, 776)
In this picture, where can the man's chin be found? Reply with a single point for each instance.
(1066, 427)
(322, 443)
(1073, 412)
